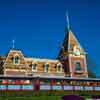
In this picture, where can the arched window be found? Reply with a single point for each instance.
(16, 60)
(34, 68)
(59, 68)
(46, 67)
(78, 66)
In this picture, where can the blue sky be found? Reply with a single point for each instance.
(37, 26)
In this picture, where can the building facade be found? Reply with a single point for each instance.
(70, 63)
(73, 57)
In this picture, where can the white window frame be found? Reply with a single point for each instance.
(45, 68)
(35, 66)
(14, 60)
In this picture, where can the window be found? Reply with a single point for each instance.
(78, 66)
(46, 68)
(59, 68)
(16, 60)
(33, 67)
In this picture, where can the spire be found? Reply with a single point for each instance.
(67, 21)
(13, 44)
(70, 40)
(64, 46)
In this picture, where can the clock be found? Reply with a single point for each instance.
(76, 51)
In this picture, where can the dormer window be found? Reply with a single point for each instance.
(34, 67)
(16, 60)
(46, 67)
(59, 68)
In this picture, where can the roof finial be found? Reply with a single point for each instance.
(67, 21)
(13, 44)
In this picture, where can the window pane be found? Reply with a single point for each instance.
(46, 68)
(16, 60)
(34, 67)
(78, 66)
(59, 68)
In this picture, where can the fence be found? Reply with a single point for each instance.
(22, 85)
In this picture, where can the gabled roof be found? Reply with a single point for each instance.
(11, 54)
